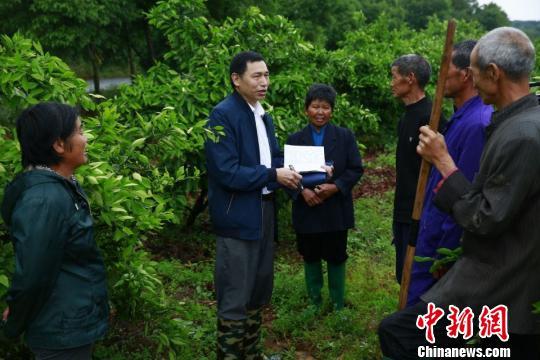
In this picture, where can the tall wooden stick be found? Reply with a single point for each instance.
(425, 167)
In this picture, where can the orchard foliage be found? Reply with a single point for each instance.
(127, 201)
(202, 51)
(29, 75)
(94, 31)
(146, 161)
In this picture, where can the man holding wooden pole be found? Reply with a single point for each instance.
(465, 137)
(499, 211)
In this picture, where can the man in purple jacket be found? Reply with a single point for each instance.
(465, 137)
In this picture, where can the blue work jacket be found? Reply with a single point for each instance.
(235, 174)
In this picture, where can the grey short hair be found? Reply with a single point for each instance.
(416, 64)
(510, 49)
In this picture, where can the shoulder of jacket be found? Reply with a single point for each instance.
(297, 135)
(344, 131)
(229, 109)
(53, 193)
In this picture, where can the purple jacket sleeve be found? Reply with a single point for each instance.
(467, 157)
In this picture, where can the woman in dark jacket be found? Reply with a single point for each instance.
(323, 214)
(58, 293)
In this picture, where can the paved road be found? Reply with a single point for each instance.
(106, 84)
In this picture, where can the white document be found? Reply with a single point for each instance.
(304, 158)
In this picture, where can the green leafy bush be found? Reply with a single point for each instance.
(126, 191)
(201, 52)
(29, 75)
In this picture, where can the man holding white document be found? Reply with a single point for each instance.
(323, 208)
(242, 173)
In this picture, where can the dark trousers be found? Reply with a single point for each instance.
(79, 353)
(400, 338)
(401, 241)
(329, 246)
(244, 272)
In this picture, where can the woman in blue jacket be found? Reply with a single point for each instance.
(323, 214)
(58, 294)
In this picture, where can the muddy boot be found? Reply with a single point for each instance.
(336, 284)
(252, 335)
(230, 339)
(314, 281)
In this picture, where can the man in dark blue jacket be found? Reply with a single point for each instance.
(242, 174)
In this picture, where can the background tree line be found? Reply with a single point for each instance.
(107, 32)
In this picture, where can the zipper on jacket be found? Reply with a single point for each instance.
(84, 200)
(230, 203)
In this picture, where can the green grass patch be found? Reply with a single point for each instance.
(299, 329)
(180, 323)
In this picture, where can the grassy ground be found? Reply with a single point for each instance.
(183, 326)
(178, 319)
(372, 293)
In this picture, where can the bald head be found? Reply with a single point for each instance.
(510, 49)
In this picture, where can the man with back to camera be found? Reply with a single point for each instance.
(498, 211)
(410, 75)
(242, 171)
(465, 137)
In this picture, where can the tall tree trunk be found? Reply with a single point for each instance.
(95, 67)
(149, 43)
(200, 204)
(131, 64)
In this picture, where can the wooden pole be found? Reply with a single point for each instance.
(425, 166)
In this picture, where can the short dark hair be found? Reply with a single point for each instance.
(240, 60)
(416, 64)
(461, 56)
(39, 126)
(320, 92)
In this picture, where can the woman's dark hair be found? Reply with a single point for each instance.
(320, 92)
(39, 126)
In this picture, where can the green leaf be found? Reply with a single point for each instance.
(445, 251)
(92, 180)
(138, 142)
(4, 281)
(423, 259)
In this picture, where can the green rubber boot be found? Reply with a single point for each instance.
(314, 281)
(230, 339)
(252, 335)
(336, 284)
